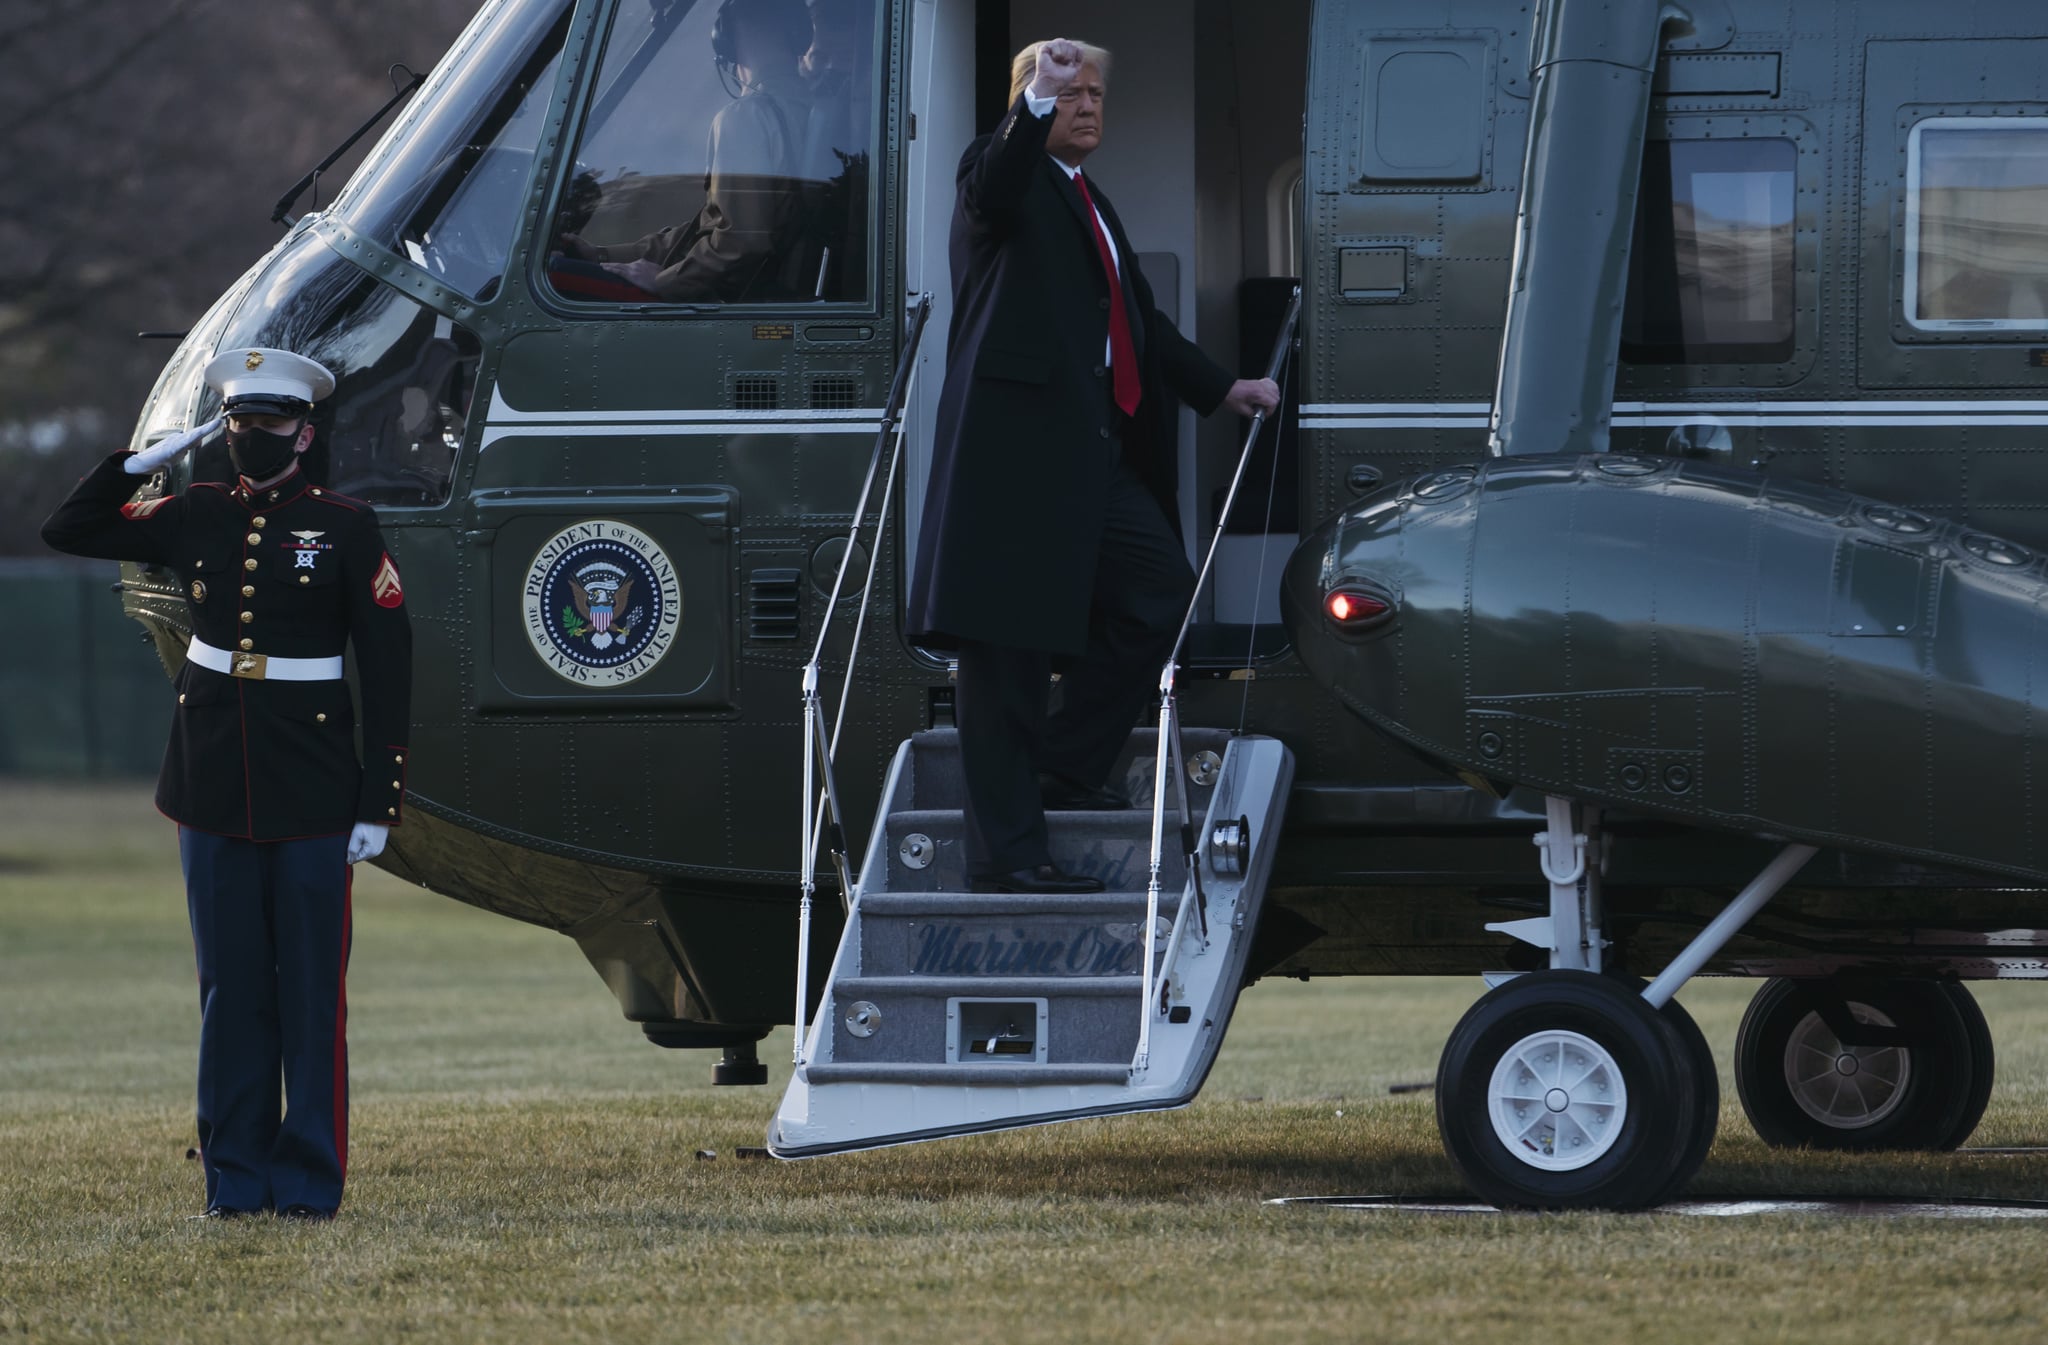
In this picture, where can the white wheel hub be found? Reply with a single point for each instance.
(1557, 1100)
(1845, 1087)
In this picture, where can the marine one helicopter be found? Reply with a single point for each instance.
(1662, 476)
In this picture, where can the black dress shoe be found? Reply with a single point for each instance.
(1062, 795)
(305, 1214)
(220, 1212)
(1046, 879)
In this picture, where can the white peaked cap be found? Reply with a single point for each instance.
(254, 373)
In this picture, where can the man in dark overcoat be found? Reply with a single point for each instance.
(1049, 535)
(273, 807)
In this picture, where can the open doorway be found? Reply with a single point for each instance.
(1202, 148)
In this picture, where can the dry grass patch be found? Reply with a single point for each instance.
(524, 1169)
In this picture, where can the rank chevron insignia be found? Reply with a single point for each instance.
(384, 585)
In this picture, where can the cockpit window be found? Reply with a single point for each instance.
(404, 377)
(1977, 224)
(1712, 271)
(725, 158)
(449, 195)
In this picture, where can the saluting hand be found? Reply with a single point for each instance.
(1059, 64)
(169, 450)
(1253, 394)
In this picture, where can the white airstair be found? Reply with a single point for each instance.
(950, 1012)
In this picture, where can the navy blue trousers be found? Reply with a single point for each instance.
(270, 928)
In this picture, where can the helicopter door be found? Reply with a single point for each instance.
(662, 466)
(1203, 154)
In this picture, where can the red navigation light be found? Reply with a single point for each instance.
(1350, 608)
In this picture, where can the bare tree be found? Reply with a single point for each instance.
(144, 143)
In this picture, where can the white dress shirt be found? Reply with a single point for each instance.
(1038, 107)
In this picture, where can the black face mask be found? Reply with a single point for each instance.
(259, 454)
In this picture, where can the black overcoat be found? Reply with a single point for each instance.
(293, 571)
(1022, 448)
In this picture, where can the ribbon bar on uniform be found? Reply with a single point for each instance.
(264, 667)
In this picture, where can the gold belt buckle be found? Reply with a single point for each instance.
(251, 666)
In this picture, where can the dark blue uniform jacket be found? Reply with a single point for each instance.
(294, 571)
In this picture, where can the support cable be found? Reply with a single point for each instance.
(1167, 756)
(823, 817)
(1251, 644)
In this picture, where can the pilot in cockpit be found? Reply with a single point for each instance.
(838, 65)
(839, 68)
(742, 244)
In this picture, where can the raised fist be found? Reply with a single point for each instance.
(1059, 64)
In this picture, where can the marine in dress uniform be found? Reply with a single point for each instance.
(261, 774)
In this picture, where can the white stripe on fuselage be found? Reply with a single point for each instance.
(1736, 415)
(509, 422)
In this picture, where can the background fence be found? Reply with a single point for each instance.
(82, 694)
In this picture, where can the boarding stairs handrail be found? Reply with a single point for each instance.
(823, 819)
(1167, 761)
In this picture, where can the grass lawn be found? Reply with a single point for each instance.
(523, 1168)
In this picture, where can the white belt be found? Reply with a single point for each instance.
(264, 667)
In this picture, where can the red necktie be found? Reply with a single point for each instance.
(1123, 356)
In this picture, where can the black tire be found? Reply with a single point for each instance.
(1912, 1096)
(1635, 1162)
(1706, 1098)
(1983, 1064)
(1706, 1085)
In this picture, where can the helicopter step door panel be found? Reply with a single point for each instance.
(951, 1011)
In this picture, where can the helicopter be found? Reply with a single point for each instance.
(1659, 476)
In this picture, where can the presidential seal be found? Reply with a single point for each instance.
(602, 603)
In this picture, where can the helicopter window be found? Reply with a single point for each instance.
(404, 377)
(1976, 244)
(1712, 273)
(725, 157)
(449, 194)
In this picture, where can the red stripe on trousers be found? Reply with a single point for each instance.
(348, 887)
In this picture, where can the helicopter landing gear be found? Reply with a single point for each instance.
(1567, 1088)
(1864, 1065)
(742, 1063)
(741, 1066)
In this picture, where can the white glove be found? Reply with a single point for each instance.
(171, 449)
(367, 841)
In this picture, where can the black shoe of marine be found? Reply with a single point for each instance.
(305, 1214)
(220, 1212)
(1045, 880)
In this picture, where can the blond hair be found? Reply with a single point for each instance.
(1024, 65)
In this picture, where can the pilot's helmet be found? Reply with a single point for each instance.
(789, 20)
(254, 381)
